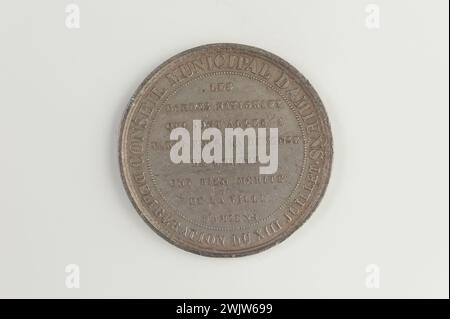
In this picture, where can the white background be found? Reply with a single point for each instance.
(62, 94)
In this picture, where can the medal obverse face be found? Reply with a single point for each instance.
(225, 150)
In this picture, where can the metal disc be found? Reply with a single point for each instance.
(228, 208)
